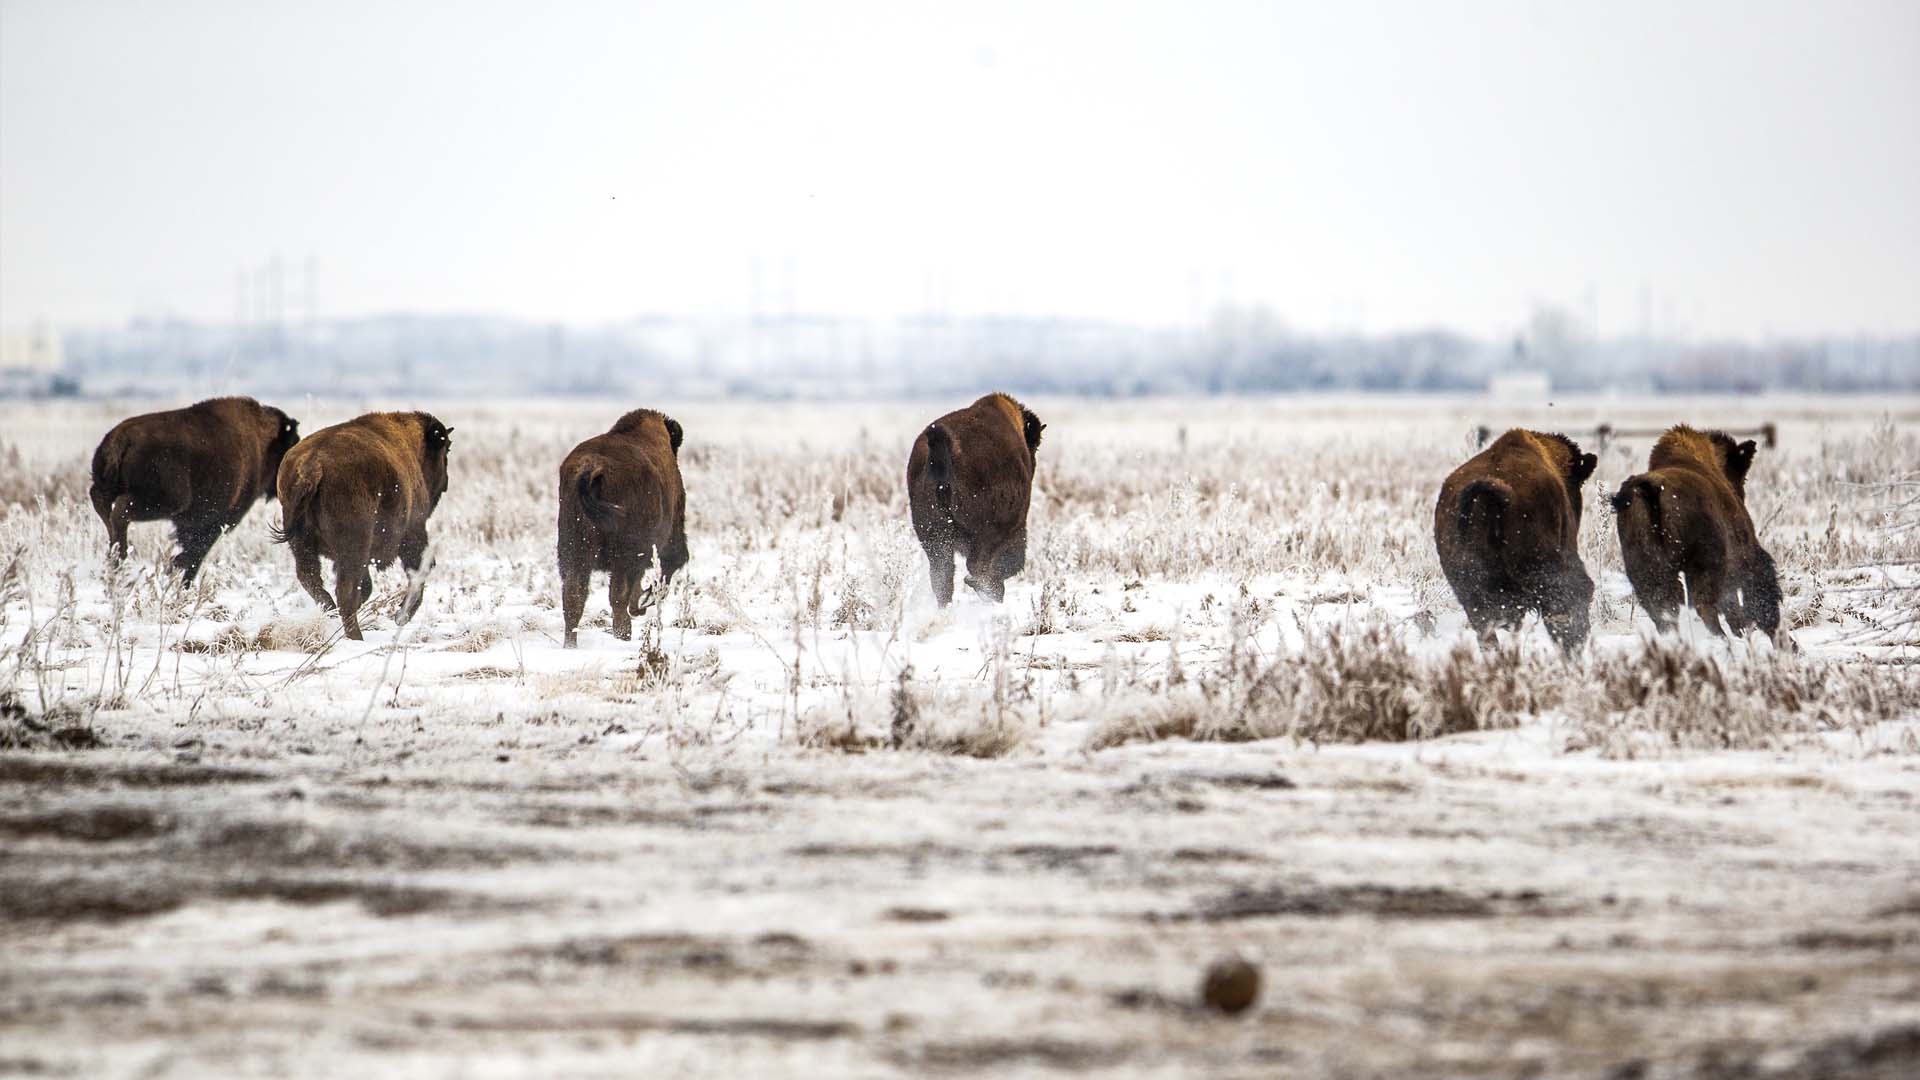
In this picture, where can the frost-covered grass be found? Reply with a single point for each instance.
(806, 824)
(1219, 569)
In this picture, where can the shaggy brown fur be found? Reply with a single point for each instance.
(200, 467)
(1508, 530)
(969, 479)
(360, 493)
(621, 505)
(1686, 537)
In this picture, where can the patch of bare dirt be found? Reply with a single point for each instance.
(1381, 901)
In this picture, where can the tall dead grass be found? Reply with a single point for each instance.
(798, 522)
(1347, 685)
(1369, 685)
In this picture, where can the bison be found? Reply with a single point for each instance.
(622, 506)
(1687, 539)
(360, 493)
(200, 467)
(1507, 527)
(969, 479)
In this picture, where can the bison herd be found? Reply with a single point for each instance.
(1507, 527)
(359, 493)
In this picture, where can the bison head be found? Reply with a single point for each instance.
(1031, 427)
(1578, 470)
(1738, 463)
(437, 440)
(285, 433)
(1735, 460)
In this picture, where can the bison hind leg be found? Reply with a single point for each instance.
(1710, 618)
(647, 582)
(118, 515)
(939, 549)
(623, 588)
(1565, 604)
(306, 568)
(992, 588)
(352, 584)
(1480, 599)
(413, 552)
(983, 577)
(1013, 557)
(1665, 613)
(1762, 598)
(1703, 595)
(1568, 626)
(196, 538)
(574, 582)
(1485, 619)
(1662, 596)
(676, 556)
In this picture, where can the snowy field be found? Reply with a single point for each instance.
(807, 824)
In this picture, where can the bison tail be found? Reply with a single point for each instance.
(940, 465)
(1648, 494)
(1493, 497)
(108, 458)
(296, 507)
(590, 485)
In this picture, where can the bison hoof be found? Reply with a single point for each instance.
(991, 590)
(572, 641)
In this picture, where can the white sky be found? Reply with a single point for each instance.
(1753, 167)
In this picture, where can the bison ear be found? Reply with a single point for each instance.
(1033, 427)
(1583, 467)
(674, 434)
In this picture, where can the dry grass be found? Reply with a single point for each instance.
(959, 721)
(798, 521)
(1347, 685)
(1369, 685)
(1669, 695)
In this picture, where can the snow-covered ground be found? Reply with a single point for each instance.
(809, 824)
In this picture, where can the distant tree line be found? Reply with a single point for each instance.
(1238, 351)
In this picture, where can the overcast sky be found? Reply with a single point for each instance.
(1749, 168)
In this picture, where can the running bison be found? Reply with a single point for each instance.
(1686, 537)
(200, 467)
(360, 493)
(1508, 530)
(622, 507)
(969, 479)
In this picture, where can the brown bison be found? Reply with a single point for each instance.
(1508, 530)
(621, 507)
(969, 479)
(1686, 537)
(360, 493)
(200, 467)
